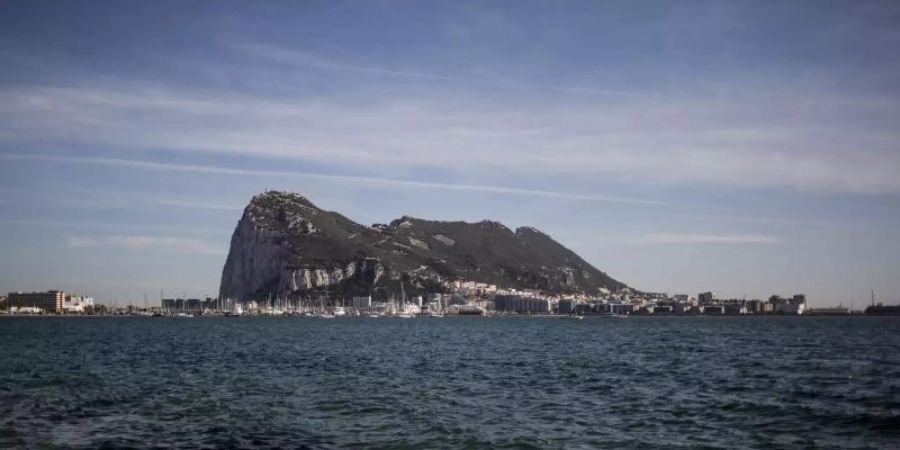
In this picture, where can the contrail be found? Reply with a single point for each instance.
(388, 183)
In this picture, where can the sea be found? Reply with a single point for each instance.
(454, 382)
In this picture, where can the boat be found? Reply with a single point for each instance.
(573, 317)
(613, 316)
(470, 311)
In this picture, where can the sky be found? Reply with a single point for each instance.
(747, 148)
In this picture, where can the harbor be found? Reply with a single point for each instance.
(471, 299)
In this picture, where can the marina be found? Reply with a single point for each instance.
(471, 299)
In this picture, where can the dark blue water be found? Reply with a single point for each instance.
(454, 383)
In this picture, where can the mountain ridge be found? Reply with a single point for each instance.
(286, 246)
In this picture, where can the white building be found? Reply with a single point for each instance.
(76, 303)
(793, 308)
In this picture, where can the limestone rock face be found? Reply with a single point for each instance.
(255, 260)
(284, 246)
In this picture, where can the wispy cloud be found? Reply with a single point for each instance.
(690, 238)
(108, 226)
(585, 242)
(818, 144)
(283, 56)
(142, 242)
(384, 183)
(79, 198)
(198, 205)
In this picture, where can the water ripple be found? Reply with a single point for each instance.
(453, 383)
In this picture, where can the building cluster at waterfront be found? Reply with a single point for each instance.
(49, 302)
(458, 298)
(477, 298)
(627, 302)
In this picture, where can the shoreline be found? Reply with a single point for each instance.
(487, 316)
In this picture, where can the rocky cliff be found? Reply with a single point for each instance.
(286, 246)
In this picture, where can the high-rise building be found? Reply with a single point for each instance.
(521, 305)
(706, 297)
(566, 306)
(50, 301)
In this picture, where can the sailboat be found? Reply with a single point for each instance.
(183, 313)
(326, 314)
(403, 310)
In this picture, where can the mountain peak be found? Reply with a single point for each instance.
(281, 198)
(285, 246)
(404, 222)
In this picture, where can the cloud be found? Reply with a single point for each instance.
(198, 205)
(585, 241)
(141, 242)
(82, 242)
(384, 183)
(291, 57)
(822, 143)
(79, 198)
(688, 238)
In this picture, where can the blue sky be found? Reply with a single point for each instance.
(748, 148)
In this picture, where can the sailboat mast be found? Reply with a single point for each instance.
(402, 293)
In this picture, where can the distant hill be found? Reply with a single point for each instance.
(286, 246)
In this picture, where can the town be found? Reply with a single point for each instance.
(465, 298)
